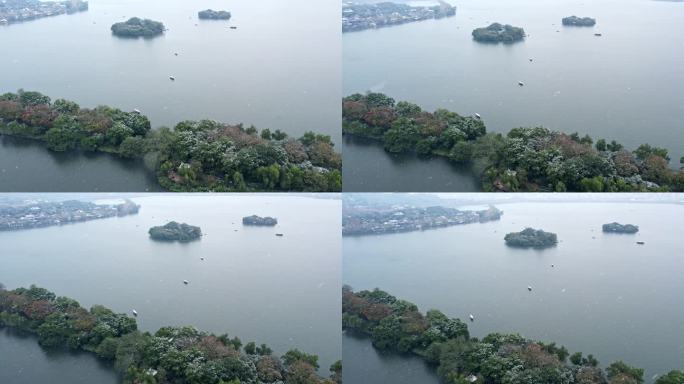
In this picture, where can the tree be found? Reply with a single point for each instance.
(266, 134)
(250, 348)
(295, 355)
(117, 134)
(601, 145)
(132, 146)
(32, 98)
(645, 151)
(62, 140)
(672, 377)
(619, 368)
(270, 176)
(66, 107)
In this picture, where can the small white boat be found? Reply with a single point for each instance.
(552, 265)
(176, 54)
(202, 258)
(186, 282)
(135, 313)
(520, 83)
(529, 288)
(477, 116)
(136, 110)
(530, 59)
(279, 234)
(472, 318)
(172, 78)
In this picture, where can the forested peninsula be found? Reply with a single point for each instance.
(193, 156)
(398, 326)
(171, 355)
(525, 159)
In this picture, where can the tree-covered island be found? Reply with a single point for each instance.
(620, 228)
(525, 159)
(499, 33)
(137, 27)
(174, 231)
(210, 14)
(574, 21)
(531, 238)
(396, 325)
(193, 156)
(174, 355)
(259, 221)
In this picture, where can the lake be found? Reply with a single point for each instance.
(605, 295)
(623, 85)
(282, 291)
(26, 166)
(280, 69)
(25, 362)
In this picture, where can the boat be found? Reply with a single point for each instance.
(529, 288)
(233, 27)
(136, 110)
(172, 78)
(598, 34)
(530, 59)
(520, 83)
(279, 234)
(477, 116)
(202, 258)
(186, 282)
(472, 318)
(176, 53)
(135, 313)
(640, 242)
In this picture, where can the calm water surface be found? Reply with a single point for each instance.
(280, 69)
(282, 291)
(623, 85)
(25, 362)
(605, 295)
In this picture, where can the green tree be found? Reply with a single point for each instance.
(672, 377)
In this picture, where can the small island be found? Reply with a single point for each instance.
(174, 231)
(620, 228)
(531, 238)
(136, 27)
(210, 14)
(179, 354)
(498, 33)
(259, 221)
(574, 21)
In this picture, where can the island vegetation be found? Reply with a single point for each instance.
(620, 228)
(259, 221)
(531, 238)
(194, 156)
(210, 14)
(137, 27)
(177, 355)
(525, 159)
(498, 33)
(174, 231)
(396, 325)
(575, 21)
